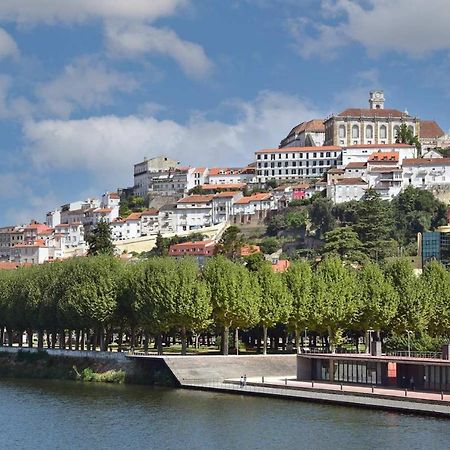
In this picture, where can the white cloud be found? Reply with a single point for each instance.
(108, 146)
(69, 11)
(85, 83)
(414, 27)
(8, 46)
(134, 39)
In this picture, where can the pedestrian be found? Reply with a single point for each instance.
(245, 380)
(241, 382)
(411, 383)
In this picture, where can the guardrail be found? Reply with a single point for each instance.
(406, 354)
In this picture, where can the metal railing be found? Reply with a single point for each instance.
(407, 354)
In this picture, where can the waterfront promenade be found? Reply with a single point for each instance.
(427, 403)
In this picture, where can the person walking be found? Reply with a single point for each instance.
(245, 380)
(411, 383)
(241, 382)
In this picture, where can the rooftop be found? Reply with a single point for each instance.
(430, 129)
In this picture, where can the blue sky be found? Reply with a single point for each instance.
(89, 87)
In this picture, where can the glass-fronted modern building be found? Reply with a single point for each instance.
(436, 246)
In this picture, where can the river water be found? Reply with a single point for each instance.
(68, 415)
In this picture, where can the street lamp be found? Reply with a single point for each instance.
(409, 343)
(370, 331)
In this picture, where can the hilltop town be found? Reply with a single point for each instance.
(340, 158)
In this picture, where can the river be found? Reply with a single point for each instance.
(39, 414)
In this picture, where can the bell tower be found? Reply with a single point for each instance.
(376, 100)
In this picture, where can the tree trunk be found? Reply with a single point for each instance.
(120, 339)
(146, 340)
(297, 340)
(132, 338)
(10, 338)
(77, 339)
(101, 334)
(82, 337)
(183, 341)
(40, 339)
(236, 340)
(20, 338)
(47, 336)
(30, 338)
(62, 339)
(264, 340)
(159, 342)
(2, 336)
(225, 338)
(331, 341)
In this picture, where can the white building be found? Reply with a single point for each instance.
(293, 163)
(361, 153)
(426, 173)
(149, 222)
(167, 219)
(225, 175)
(145, 171)
(223, 205)
(32, 253)
(346, 189)
(254, 207)
(194, 212)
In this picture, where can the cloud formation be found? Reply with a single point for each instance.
(133, 40)
(8, 46)
(411, 27)
(85, 83)
(108, 146)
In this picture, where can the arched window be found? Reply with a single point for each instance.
(355, 132)
(383, 132)
(369, 132)
(342, 131)
(396, 131)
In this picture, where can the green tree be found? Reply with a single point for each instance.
(269, 245)
(298, 279)
(406, 135)
(335, 307)
(234, 296)
(100, 240)
(276, 300)
(378, 299)
(375, 225)
(413, 303)
(321, 215)
(436, 280)
(344, 242)
(231, 242)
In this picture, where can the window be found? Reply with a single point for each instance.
(383, 132)
(369, 132)
(396, 131)
(342, 131)
(328, 154)
(355, 132)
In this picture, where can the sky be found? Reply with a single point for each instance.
(90, 87)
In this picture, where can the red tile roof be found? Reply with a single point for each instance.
(224, 171)
(227, 194)
(150, 212)
(248, 249)
(281, 265)
(426, 162)
(202, 248)
(218, 187)
(314, 125)
(356, 165)
(134, 216)
(367, 112)
(114, 195)
(196, 199)
(324, 148)
(350, 182)
(102, 210)
(384, 157)
(254, 198)
(430, 129)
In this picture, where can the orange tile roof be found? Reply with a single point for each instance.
(199, 170)
(301, 186)
(281, 265)
(384, 157)
(150, 212)
(430, 129)
(6, 265)
(324, 148)
(134, 216)
(114, 195)
(102, 210)
(314, 125)
(247, 250)
(205, 248)
(224, 171)
(196, 199)
(253, 198)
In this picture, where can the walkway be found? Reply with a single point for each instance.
(289, 388)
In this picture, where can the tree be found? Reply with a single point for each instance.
(231, 242)
(298, 279)
(377, 299)
(269, 245)
(344, 242)
(234, 296)
(254, 261)
(191, 307)
(321, 216)
(100, 240)
(276, 300)
(334, 293)
(436, 281)
(406, 135)
(413, 303)
(375, 224)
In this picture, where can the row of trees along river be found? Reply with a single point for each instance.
(83, 302)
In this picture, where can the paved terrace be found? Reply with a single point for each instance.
(400, 400)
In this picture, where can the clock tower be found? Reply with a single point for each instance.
(376, 100)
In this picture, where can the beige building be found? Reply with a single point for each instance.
(373, 125)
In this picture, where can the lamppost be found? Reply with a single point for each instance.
(409, 343)
(370, 331)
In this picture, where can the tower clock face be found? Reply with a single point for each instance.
(377, 94)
